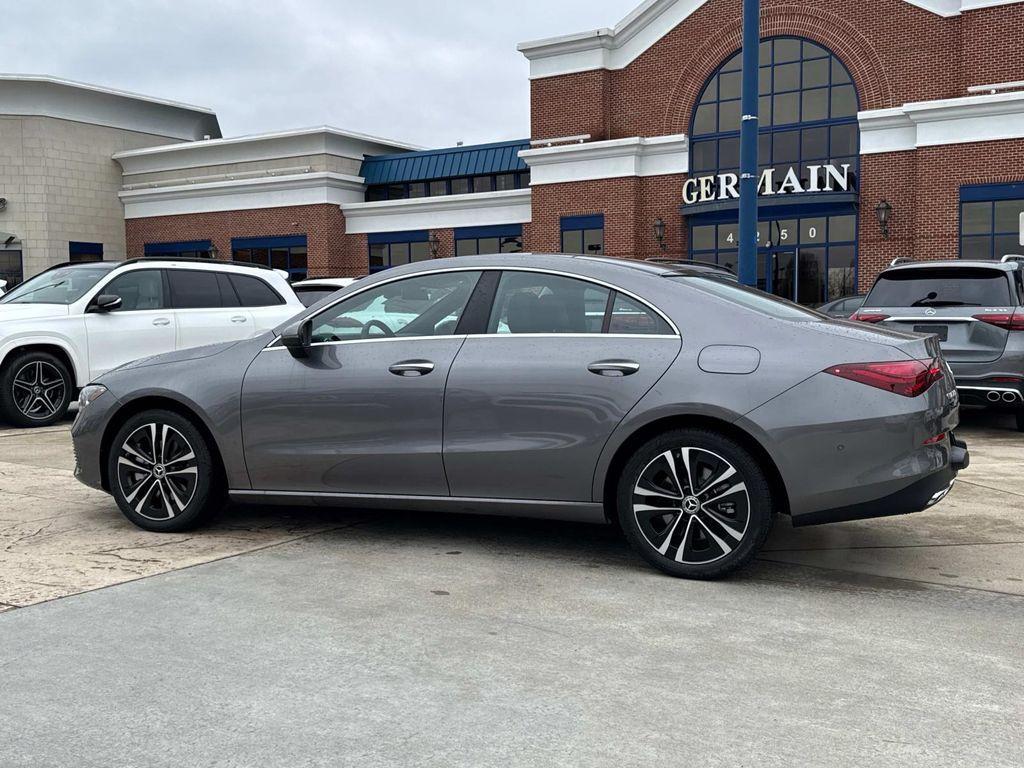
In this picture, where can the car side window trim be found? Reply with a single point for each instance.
(275, 344)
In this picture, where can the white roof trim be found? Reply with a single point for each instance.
(243, 194)
(616, 158)
(54, 97)
(474, 210)
(991, 117)
(617, 47)
(322, 139)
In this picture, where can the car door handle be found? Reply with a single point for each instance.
(238, 319)
(162, 321)
(412, 368)
(614, 367)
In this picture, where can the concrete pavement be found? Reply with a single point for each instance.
(400, 639)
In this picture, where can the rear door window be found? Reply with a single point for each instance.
(192, 289)
(946, 287)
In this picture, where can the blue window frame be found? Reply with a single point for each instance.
(990, 220)
(287, 252)
(186, 249)
(390, 249)
(583, 234)
(85, 251)
(470, 241)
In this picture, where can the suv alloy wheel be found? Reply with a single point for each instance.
(35, 389)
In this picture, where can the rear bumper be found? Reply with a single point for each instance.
(918, 496)
(993, 395)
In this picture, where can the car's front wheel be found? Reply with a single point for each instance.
(162, 473)
(35, 389)
(694, 504)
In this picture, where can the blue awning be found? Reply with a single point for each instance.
(480, 159)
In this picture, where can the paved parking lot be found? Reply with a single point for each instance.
(309, 637)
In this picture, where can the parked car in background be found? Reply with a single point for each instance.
(975, 309)
(688, 408)
(311, 291)
(74, 322)
(841, 309)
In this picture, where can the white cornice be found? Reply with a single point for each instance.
(618, 46)
(991, 117)
(474, 210)
(44, 96)
(616, 158)
(243, 194)
(265, 146)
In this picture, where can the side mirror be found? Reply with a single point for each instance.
(105, 302)
(297, 338)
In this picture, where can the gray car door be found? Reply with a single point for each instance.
(362, 413)
(531, 402)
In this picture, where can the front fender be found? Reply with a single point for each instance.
(75, 353)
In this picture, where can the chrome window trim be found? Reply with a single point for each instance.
(661, 337)
(538, 270)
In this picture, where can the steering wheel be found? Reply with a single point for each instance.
(365, 333)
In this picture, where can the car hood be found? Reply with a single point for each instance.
(31, 311)
(178, 356)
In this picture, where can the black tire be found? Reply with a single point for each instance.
(707, 534)
(167, 484)
(35, 389)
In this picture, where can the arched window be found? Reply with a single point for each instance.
(808, 123)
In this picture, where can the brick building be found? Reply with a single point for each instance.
(915, 107)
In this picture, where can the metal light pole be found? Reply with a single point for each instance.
(748, 142)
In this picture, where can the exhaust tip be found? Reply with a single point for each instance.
(993, 397)
(1009, 397)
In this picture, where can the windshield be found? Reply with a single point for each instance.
(64, 285)
(941, 287)
(727, 288)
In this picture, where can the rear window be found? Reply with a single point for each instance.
(946, 287)
(310, 296)
(253, 292)
(726, 288)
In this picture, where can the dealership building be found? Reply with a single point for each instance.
(888, 128)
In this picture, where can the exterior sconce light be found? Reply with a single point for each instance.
(435, 245)
(884, 213)
(659, 233)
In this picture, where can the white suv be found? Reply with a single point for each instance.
(65, 327)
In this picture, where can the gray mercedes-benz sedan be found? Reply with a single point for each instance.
(683, 407)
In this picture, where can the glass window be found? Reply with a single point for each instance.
(385, 255)
(505, 181)
(418, 189)
(941, 287)
(466, 247)
(512, 244)
(524, 179)
(572, 241)
(64, 285)
(289, 258)
(427, 305)
(419, 252)
(534, 302)
(593, 242)
(192, 289)
(703, 156)
(376, 194)
(11, 268)
(438, 188)
(228, 295)
(990, 229)
(253, 292)
(396, 192)
(460, 186)
(139, 290)
(483, 184)
(632, 317)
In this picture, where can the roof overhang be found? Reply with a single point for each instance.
(44, 96)
(618, 46)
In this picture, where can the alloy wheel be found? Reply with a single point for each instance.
(158, 471)
(39, 390)
(691, 505)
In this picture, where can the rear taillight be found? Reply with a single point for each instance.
(868, 317)
(910, 378)
(1010, 321)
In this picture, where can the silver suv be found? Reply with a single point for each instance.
(976, 308)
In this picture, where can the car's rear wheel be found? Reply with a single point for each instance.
(35, 389)
(162, 473)
(694, 504)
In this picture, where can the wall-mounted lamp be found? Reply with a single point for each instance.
(659, 233)
(435, 245)
(883, 211)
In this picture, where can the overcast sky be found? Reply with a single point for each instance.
(430, 73)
